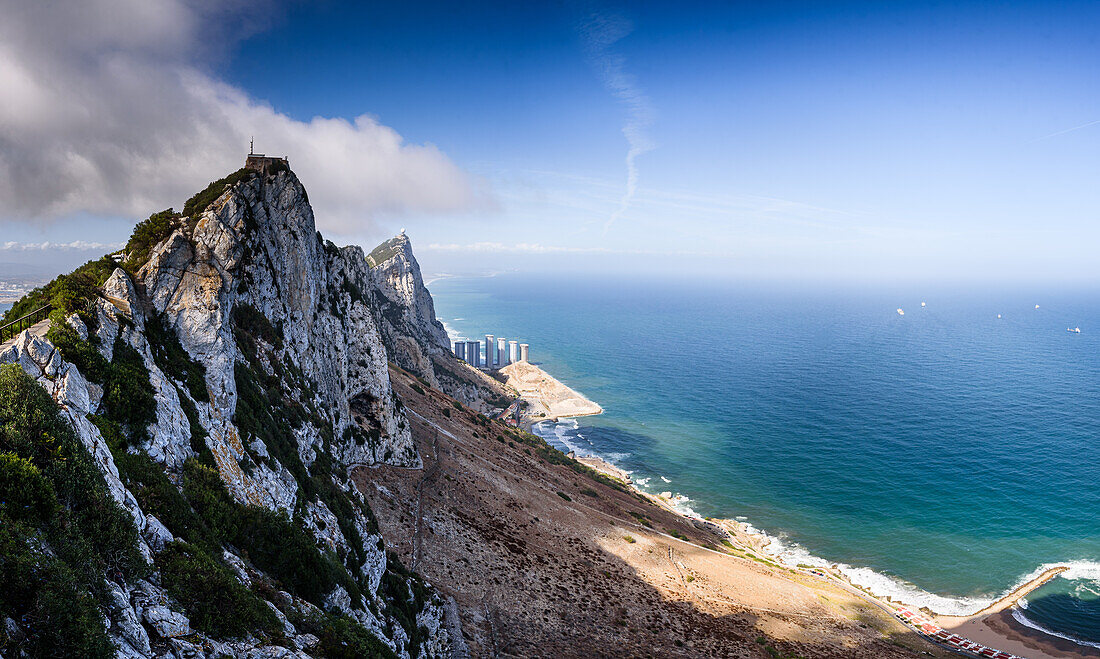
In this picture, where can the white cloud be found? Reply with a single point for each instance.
(47, 246)
(538, 248)
(108, 109)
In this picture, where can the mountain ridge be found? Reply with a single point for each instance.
(235, 352)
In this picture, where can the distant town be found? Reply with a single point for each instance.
(13, 291)
(499, 352)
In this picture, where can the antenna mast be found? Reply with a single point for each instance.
(251, 146)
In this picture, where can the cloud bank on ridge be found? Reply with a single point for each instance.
(110, 109)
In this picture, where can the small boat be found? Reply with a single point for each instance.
(922, 305)
(900, 312)
(1074, 330)
(998, 315)
(1036, 306)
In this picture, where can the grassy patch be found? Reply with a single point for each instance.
(79, 352)
(629, 538)
(170, 357)
(127, 394)
(341, 637)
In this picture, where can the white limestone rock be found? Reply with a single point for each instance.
(73, 390)
(125, 623)
(324, 526)
(156, 533)
(256, 245)
(106, 327)
(237, 565)
(74, 321)
(165, 622)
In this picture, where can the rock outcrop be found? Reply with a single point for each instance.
(265, 359)
(414, 338)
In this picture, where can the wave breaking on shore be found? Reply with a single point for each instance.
(566, 434)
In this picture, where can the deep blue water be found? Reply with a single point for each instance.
(942, 455)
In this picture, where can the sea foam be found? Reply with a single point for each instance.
(565, 433)
(1020, 617)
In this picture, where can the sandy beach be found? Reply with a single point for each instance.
(993, 626)
(546, 397)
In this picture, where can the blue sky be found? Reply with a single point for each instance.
(807, 141)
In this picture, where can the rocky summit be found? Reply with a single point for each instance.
(224, 374)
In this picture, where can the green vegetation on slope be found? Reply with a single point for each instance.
(147, 234)
(202, 200)
(383, 252)
(127, 394)
(171, 358)
(61, 533)
(71, 293)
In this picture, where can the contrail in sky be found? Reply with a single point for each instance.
(1068, 130)
(600, 33)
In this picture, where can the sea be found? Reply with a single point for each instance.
(940, 455)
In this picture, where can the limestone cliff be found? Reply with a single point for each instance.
(414, 338)
(252, 351)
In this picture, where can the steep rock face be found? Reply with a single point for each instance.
(256, 298)
(415, 339)
(257, 248)
(406, 308)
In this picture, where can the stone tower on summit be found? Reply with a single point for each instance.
(263, 164)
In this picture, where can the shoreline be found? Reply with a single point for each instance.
(993, 626)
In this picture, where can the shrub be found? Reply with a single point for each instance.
(201, 200)
(147, 234)
(417, 388)
(158, 496)
(629, 538)
(271, 540)
(171, 358)
(71, 293)
(80, 353)
(56, 497)
(249, 319)
(25, 494)
(342, 638)
(564, 496)
(406, 595)
(589, 492)
(215, 602)
(127, 394)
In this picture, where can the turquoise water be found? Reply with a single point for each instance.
(941, 456)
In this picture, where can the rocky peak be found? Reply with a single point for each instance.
(249, 350)
(402, 298)
(415, 339)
